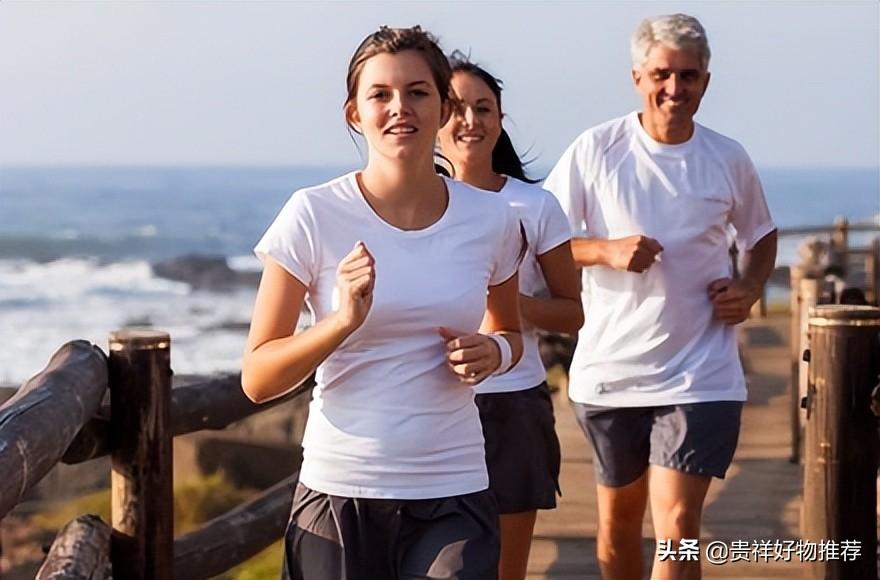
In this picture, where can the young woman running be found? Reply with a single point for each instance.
(398, 266)
(522, 450)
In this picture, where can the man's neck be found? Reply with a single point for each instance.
(665, 131)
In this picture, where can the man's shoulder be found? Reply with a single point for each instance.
(726, 146)
(597, 141)
(605, 134)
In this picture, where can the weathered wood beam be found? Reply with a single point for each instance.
(237, 535)
(804, 230)
(212, 404)
(81, 551)
(38, 423)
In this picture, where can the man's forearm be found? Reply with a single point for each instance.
(589, 252)
(759, 262)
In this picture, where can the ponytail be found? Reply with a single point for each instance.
(506, 161)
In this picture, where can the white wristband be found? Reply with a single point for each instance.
(506, 353)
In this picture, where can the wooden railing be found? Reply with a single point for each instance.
(835, 394)
(842, 256)
(60, 416)
(810, 287)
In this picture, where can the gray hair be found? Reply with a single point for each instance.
(672, 30)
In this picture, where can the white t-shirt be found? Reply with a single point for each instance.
(650, 338)
(388, 419)
(546, 227)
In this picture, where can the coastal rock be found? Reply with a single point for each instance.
(204, 273)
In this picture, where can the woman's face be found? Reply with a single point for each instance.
(398, 108)
(470, 135)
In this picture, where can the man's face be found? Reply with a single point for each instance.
(671, 83)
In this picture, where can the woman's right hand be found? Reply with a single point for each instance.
(355, 279)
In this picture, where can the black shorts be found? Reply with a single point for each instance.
(697, 438)
(340, 538)
(522, 449)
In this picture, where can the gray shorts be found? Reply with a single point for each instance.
(697, 438)
(340, 538)
(522, 449)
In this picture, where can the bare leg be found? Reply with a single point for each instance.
(516, 541)
(677, 509)
(619, 541)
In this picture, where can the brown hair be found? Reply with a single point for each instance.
(392, 41)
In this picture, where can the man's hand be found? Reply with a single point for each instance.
(633, 253)
(732, 300)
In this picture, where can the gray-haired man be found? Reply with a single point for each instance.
(656, 381)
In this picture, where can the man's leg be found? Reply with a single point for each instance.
(619, 538)
(677, 509)
(621, 447)
(690, 444)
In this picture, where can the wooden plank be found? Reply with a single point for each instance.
(81, 551)
(232, 538)
(38, 423)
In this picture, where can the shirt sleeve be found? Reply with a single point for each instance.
(511, 247)
(290, 240)
(553, 226)
(750, 215)
(566, 182)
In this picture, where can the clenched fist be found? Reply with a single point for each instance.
(471, 358)
(732, 300)
(355, 279)
(633, 253)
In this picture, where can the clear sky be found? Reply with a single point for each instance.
(261, 83)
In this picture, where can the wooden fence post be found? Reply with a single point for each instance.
(795, 275)
(808, 296)
(840, 243)
(872, 272)
(141, 483)
(840, 467)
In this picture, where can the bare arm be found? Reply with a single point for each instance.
(502, 314)
(732, 300)
(275, 360)
(562, 311)
(629, 254)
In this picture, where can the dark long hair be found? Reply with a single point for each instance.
(505, 159)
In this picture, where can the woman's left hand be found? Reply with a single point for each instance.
(472, 357)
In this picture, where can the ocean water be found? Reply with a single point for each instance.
(77, 248)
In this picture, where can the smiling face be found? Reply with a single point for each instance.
(671, 82)
(397, 108)
(471, 133)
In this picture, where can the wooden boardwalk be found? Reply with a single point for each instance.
(759, 500)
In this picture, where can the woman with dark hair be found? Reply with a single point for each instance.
(400, 267)
(522, 450)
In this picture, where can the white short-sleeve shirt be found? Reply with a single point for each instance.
(545, 227)
(388, 419)
(650, 338)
